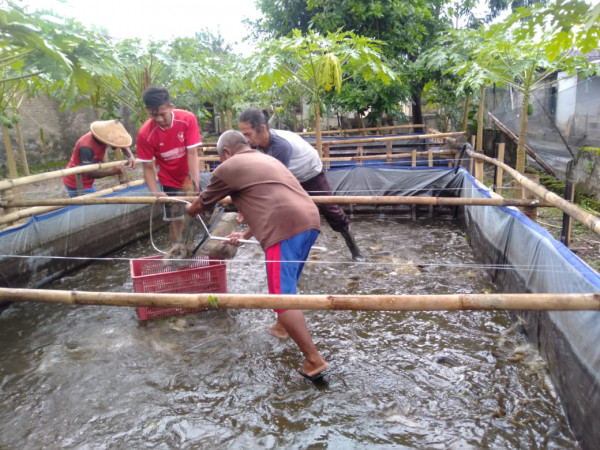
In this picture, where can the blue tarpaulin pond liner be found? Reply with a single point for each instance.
(67, 234)
(520, 255)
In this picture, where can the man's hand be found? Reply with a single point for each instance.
(131, 158)
(193, 208)
(234, 239)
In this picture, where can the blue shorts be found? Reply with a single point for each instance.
(285, 261)
(173, 211)
(73, 191)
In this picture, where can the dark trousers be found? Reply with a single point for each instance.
(335, 216)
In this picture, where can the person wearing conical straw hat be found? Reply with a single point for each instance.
(169, 139)
(91, 148)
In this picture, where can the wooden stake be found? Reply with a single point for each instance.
(530, 210)
(451, 302)
(499, 172)
(567, 223)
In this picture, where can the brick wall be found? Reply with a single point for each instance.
(61, 129)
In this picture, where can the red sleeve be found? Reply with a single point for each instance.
(143, 149)
(193, 137)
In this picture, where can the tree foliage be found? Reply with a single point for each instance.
(319, 63)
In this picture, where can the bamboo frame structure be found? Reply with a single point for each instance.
(589, 220)
(449, 302)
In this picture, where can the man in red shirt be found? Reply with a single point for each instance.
(91, 148)
(169, 140)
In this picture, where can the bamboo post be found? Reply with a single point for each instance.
(79, 180)
(499, 171)
(530, 211)
(203, 164)
(327, 155)
(21, 145)
(449, 302)
(10, 162)
(359, 154)
(471, 163)
(567, 222)
(413, 162)
(430, 157)
(388, 152)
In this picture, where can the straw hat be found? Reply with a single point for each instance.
(111, 132)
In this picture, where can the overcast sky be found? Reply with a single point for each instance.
(158, 19)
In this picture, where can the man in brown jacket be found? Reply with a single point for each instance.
(284, 220)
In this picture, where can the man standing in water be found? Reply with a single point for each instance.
(170, 138)
(284, 220)
(303, 161)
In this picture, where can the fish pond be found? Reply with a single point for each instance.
(97, 377)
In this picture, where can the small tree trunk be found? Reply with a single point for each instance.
(479, 143)
(466, 113)
(22, 149)
(222, 121)
(417, 110)
(318, 128)
(229, 123)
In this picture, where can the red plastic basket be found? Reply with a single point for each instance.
(152, 274)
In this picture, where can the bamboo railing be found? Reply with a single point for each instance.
(450, 302)
(347, 131)
(321, 199)
(45, 206)
(589, 220)
(23, 181)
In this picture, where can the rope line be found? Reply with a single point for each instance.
(320, 262)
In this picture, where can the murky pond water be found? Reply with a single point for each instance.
(96, 377)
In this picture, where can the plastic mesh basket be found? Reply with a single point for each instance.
(153, 274)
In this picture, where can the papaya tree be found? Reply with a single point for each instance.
(318, 64)
(524, 50)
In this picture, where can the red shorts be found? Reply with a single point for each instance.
(285, 261)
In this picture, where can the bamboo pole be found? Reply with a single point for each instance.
(587, 219)
(318, 199)
(450, 302)
(567, 223)
(500, 172)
